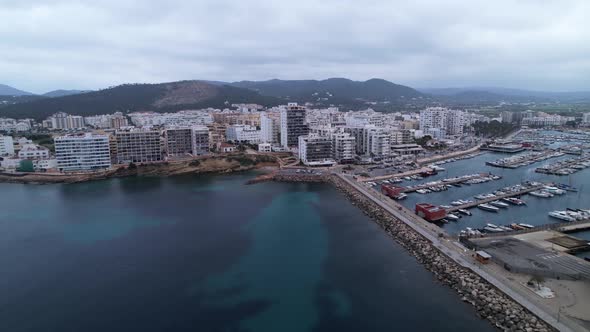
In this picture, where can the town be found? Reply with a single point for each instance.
(66, 143)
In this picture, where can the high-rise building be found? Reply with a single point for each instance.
(200, 140)
(64, 121)
(270, 127)
(449, 121)
(315, 150)
(293, 124)
(343, 145)
(118, 120)
(586, 117)
(6, 146)
(82, 152)
(179, 141)
(138, 146)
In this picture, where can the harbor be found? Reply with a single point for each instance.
(522, 218)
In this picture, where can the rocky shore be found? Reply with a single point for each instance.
(490, 303)
(215, 164)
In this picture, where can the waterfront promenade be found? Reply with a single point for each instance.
(442, 242)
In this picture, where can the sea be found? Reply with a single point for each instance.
(210, 253)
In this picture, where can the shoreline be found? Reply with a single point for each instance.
(219, 164)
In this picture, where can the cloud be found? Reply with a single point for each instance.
(536, 44)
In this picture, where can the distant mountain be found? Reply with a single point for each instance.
(6, 90)
(508, 94)
(333, 89)
(63, 93)
(161, 97)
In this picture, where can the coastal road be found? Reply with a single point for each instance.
(442, 242)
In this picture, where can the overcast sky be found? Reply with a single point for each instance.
(533, 44)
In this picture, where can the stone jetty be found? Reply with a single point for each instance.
(490, 303)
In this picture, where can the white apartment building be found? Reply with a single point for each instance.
(315, 150)
(363, 118)
(370, 140)
(64, 121)
(264, 147)
(33, 151)
(270, 127)
(182, 118)
(546, 121)
(6, 146)
(243, 133)
(451, 121)
(343, 145)
(82, 152)
(115, 121)
(378, 143)
(586, 117)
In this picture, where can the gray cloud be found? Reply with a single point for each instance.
(536, 44)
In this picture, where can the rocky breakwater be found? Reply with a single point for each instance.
(490, 303)
(289, 176)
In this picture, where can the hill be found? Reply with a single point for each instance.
(6, 90)
(330, 90)
(506, 94)
(160, 97)
(63, 93)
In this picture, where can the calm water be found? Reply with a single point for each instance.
(534, 213)
(208, 254)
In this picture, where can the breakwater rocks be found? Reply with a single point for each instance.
(280, 176)
(490, 303)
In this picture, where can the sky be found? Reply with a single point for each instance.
(66, 44)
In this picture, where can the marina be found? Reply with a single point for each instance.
(530, 207)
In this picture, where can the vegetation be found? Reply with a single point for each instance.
(493, 128)
(168, 97)
(423, 140)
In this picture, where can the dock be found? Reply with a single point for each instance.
(559, 167)
(524, 160)
(443, 182)
(497, 197)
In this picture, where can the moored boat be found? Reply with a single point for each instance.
(561, 215)
(465, 212)
(499, 204)
(452, 217)
(487, 207)
(542, 194)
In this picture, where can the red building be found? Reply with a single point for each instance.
(430, 212)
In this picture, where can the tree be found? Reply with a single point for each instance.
(423, 140)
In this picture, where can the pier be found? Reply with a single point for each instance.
(445, 181)
(561, 167)
(497, 197)
(524, 160)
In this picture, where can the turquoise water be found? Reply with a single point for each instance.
(208, 254)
